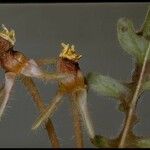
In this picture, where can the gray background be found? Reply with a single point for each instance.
(40, 28)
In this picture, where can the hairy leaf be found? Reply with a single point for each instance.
(100, 142)
(132, 43)
(106, 85)
(143, 143)
(146, 25)
(146, 85)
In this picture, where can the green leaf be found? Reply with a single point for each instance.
(146, 25)
(105, 85)
(143, 143)
(100, 142)
(132, 43)
(146, 85)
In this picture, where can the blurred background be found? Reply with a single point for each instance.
(40, 29)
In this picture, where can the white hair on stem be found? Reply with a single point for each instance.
(81, 98)
(77, 122)
(33, 70)
(9, 81)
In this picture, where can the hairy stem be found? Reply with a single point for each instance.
(52, 76)
(9, 82)
(32, 89)
(46, 61)
(49, 110)
(77, 123)
(133, 103)
(81, 98)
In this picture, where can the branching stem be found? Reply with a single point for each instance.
(133, 102)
